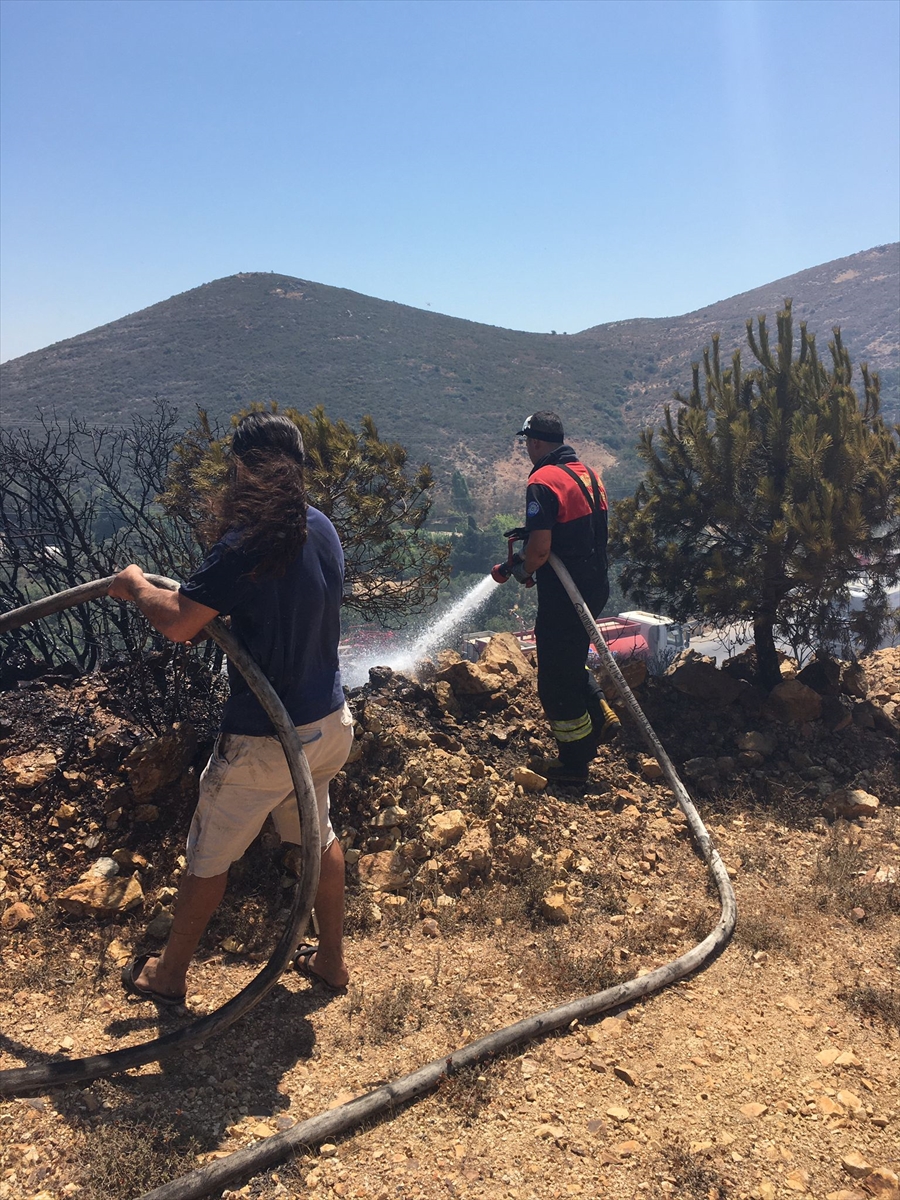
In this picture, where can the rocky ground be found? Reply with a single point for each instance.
(478, 896)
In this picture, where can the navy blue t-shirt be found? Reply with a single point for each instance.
(290, 625)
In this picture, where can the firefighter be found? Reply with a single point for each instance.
(566, 511)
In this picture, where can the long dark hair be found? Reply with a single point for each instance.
(264, 501)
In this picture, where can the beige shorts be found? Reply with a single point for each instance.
(247, 778)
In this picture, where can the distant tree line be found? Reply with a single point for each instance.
(766, 492)
(80, 502)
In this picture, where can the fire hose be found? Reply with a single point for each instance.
(329, 1124)
(80, 1070)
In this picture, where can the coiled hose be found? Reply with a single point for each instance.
(79, 1070)
(243, 1163)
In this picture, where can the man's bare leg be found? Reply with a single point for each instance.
(328, 961)
(198, 899)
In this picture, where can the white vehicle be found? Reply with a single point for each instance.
(665, 638)
(655, 639)
(859, 592)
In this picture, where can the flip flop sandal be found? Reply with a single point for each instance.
(300, 961)
(130, 973)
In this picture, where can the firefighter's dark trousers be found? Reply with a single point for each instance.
(570, 695)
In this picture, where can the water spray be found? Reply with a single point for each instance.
(434, 637)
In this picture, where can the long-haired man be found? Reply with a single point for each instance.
(277, 569)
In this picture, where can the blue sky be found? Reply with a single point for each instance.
(526, 164)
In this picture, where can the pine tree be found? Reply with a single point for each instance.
(394, 568)
(765, 494)
(460, 494)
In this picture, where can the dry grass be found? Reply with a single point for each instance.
(481, 798)
(459, 1006)
(520, 812)
(359, 916)
(693, 1178)
(873, 1002)
(391, 1013)
(884, 782)
(840, 878)
(648, 933)
(119, 1159)
(759, 858)
(466, 1093)
(31, 958)
(575, 971)
(758, 929)
(496, 907)
(534, 883)
(604, 892)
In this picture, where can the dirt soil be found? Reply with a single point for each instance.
(771, 1074)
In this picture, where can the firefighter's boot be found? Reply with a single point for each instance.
(570, 764)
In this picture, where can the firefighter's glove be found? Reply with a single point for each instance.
(518, 535)
(518, 570)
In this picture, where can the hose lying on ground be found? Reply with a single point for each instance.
(327, 1125)
(79, 1070)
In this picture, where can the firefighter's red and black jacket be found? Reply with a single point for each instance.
(556, 501)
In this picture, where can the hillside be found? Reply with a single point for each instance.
(453, 391)
(477, 896)
(860, 293)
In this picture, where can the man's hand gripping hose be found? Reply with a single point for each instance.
(515, 564)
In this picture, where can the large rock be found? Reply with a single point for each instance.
(16, 915)
(758, 743)
(853, 681)
(703, 772)
(30, 769)
(869, 715)
(856, 1165)
(793, 703)
(468, 679)
(559, 902)
(528, 780)
(443, 829)
(850, 803)
(882, 1184)
(447, 702)
(390, 817)
(742, 666)
(650, 768)
(470, 858)
(160, 761)
(703, 681)
(101, 891)
(112, 743)
(834, 714)
(386, 871)
(503, 653)
(750, 760)
(823, 675)
(516, 855)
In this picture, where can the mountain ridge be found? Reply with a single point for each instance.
(453, 391)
